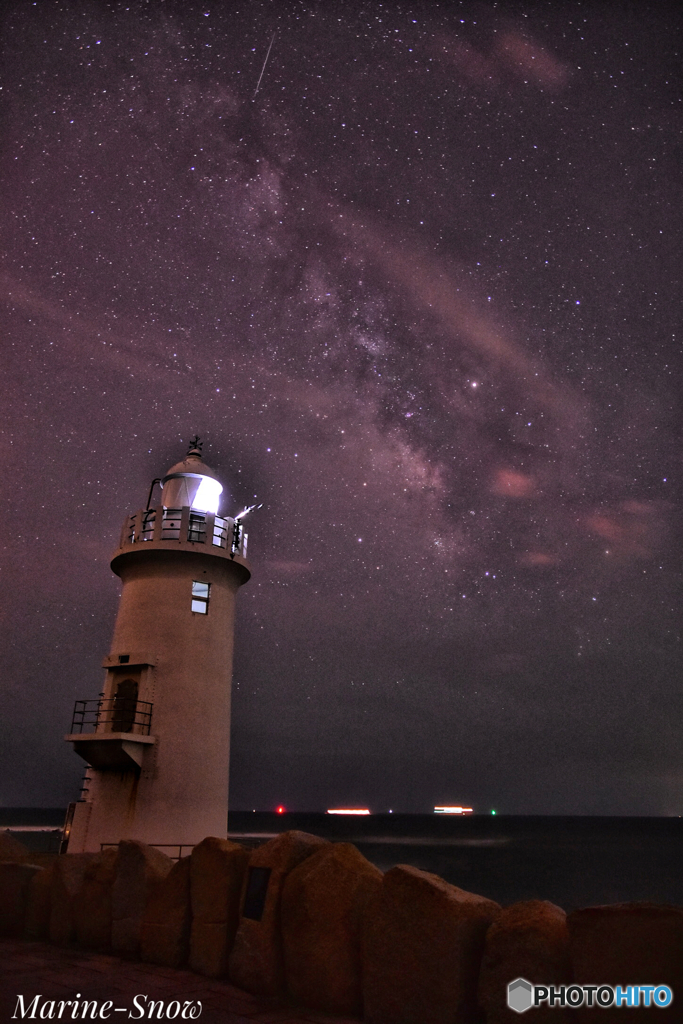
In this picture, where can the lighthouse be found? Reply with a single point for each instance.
(157, 739)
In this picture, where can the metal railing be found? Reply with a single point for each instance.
(164, 847)
(198, 528)
(112, 714)
(147, 530)
(221, 532)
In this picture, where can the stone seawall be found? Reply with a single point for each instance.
(303, 918)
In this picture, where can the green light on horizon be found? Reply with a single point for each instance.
(493, 812)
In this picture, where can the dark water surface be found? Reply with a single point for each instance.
(575, 862)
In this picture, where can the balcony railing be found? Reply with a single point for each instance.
(112, 714)
(198, 528)
(173, 850)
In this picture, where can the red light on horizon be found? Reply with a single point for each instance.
(280, 810)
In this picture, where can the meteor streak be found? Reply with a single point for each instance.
(272, 38)
(251, 508)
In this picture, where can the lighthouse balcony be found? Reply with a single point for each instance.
(222, 535)
(112, 734)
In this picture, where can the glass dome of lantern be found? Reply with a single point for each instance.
(191, 482)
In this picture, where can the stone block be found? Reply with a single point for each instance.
(323, 900)
(628, 944)
(217, 874)
(67, 880)
(42, 860)
(12, 850)
(15, 881)
(38, 902)
(165, 936)
(140, 870)
(421, 950)
(528, 940)
(92, 906)
(256, 962)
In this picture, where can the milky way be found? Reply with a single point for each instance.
(418, 292)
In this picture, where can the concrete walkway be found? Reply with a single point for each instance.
(54, 973)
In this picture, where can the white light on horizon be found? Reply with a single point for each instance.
(453, 810)
(348, 810)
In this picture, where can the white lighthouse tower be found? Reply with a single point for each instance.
(158, 738)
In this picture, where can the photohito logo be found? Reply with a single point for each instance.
(522, 995)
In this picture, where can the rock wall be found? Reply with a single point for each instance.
(316, 923)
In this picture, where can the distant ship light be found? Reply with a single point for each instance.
(453, 810)
(348, 810)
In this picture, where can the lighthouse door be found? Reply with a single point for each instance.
(125, 706)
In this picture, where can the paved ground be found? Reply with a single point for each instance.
(54, 973)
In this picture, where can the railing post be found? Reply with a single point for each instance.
(99, 723)
(158, 523)
(184, 524)
(137, 532)
(125, 532)
(210, 523)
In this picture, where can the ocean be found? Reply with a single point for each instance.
(571, 861)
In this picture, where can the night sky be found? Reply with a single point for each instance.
(419, 293)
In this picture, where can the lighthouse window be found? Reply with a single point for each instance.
(200, 597)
